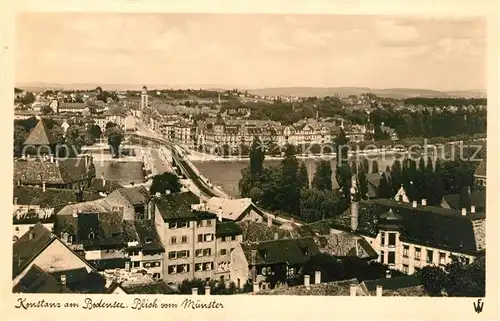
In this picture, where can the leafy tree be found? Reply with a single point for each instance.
(365, 165)
(75, 139)
(289, 187)
(384, 189)
(165, 182)
(115, 136)
(29, 98)
(322, 179)
(226, 150)
(110, 124)
(303, 177)
(362, 185)
(344, 179)
(19, 138)
(433, 279)
(396, 176)
(95, 131)
(354, 167)
(374, 167)
(315, 149)
(341, 147)
(46, 110)
(257, 155)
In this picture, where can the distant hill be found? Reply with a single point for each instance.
(345, 91)
(278, 91)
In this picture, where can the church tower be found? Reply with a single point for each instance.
(144, 98)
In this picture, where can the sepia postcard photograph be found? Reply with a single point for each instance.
(205, 157)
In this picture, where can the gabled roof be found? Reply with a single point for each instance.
(62, 171)
(40, 135)
(259, 232)
(228, 228)
(285, 251)
(336, 288)
(476, 198)
(149, 239)
(38, 281)
(178, 206)
(52, 197)
(29, 246)
(136, 195)
(345, 244)
(481, 169)
(405, 285)
(105, 186)
(231, 209)
(81, 281)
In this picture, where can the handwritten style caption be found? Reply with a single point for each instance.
(137, 304)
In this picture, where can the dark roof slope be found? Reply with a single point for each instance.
(258, 232)
(149, 239)
(27, 248)
(476, 198)
(481, 169)
(337, 288)
(81, 281)
(289, 251)
(178, 206)
(38, 281)
(135, 195)
(52, 197)
(150, 288)
(40, 135)
(58, 172)
(228, 228)
(105, 186)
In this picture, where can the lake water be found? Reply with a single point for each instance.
(227, 174)
(122, 172)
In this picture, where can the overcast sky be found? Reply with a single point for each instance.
(251, 50)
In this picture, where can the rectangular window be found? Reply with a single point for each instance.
(172, 225)
(417, 254)
(173, 240)
(183, 268)
(382, 239)
(382, 257)
(199, 223)
(200, 237)
(392, 239)
(209, 222)
(156, 276)
(172, 269)
(199, 252)
(406, 249)
(198, 267)
(182, 224)
(207, 237)
(183, 254)
(233, 238)
(442, 258)
(136, 264)
(207, 252)
(223, 239)
(172, 255)
(430, 255)
(391, 258)
(406, 269)
(184, 239)
(223, 252)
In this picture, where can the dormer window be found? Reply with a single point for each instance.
(148, 240)
(91, 235)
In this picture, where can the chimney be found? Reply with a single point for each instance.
(464, 211)
(388, 274)
(31, 234)
(353, 289)
(276, 235)
(167, 192)
(194, 291)
(307, 281)
(317, 277)
(424, 202)
(354, 215)
(468, 190)
(269, 221)
(379, 290)
(75, 213)
(219, 216)
(207, 290)
(15, 200)
(43, 186)
(103, 180)
(473, 209)
(127, 266)
(63, 279)
(51, 158)
(255, 287)
(158, 194)
(414, 204)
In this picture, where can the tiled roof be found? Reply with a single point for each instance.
(476, 198)
(406, 285)
(97, 206)
(135, 195)
(158, 287)
(105, 186)
(27, 248)
(178, 206)
(40, 135)
(59, 172)
(285, 251)
(52, 197)
(481, 169)
(148, 237)
(231, 208)
(259, 232)
(227, 229)
(81, 281)
(38, 281)
(345, 244)
(337, 288)
(108, 264)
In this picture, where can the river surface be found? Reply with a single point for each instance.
(227, 174)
